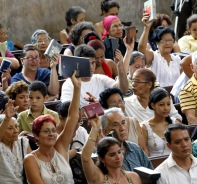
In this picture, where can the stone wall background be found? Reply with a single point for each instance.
(22, 17)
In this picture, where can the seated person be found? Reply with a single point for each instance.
(10, 43)
(97, 82)
(74, 15)
(188, 42)
(76, 36)
(113, 97)
(153, 129)
(5, 78)
(108, 7)
(188, 96)
(31, 70)
(37, 96)
(134, 156)
(18, 91)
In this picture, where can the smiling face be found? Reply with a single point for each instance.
(116, 29)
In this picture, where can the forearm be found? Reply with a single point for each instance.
(4, 85)
(123, 82)
(53, 87)
(143, 40)
(15, 63)
(192, 120)
(126, 60)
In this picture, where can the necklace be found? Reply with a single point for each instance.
(116, 182)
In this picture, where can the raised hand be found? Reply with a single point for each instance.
(5, 75)
(76, 81)
(10, 110)
(96, 122)
(118, 56)
(91, 98)
(129, 46)
(54, 61)
(145, 17)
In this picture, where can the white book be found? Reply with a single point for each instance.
(150, 8)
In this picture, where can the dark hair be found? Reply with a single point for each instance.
(104, 96)
(103, 147)
(84, 50)
(3, 100)
(158, 22)
(106, 5)
(156, 96)
(192, 19)
(73, 13)
(39, 121)
(63, 109)
(27, 48)
(148, 75)
(136, 55)
(38, 86)
(76, 31)
(91, 36)
(16, 88)
(172, 127)
(160, 31)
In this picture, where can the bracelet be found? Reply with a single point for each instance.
(92, 139)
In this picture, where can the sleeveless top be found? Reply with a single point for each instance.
(72, 48)
(132, 134)
(62, 174)
(106, 180)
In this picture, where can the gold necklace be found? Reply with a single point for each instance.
(116, 182)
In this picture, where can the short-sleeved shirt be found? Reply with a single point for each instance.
(188, 95)
(42, 74)
(187, 43)
(26, 118)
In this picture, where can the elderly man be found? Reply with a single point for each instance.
(180, 166)
(134, 156)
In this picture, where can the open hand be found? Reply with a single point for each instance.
(10, 110)
(118, 56)
(91, 98)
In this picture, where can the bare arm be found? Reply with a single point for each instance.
(63, 141)
(113, 67)
(63, 37)
(135, 179)
(145, 134)
(176, 47)
(15, 63)
(185, 64)
(190, 114)
(99, 29)
(68, 52)
(18, 44)
(144, 40)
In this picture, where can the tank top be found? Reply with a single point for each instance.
(62, 174)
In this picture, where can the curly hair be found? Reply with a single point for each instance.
(16, 88)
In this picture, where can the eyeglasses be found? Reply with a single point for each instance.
(32, 58)
(167, 41)
(48, 131)
(115, 27)
(115, 104)
(42, 41)
(138, 82)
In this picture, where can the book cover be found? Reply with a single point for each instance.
(53, 48)
(150, 8)
(71, 63)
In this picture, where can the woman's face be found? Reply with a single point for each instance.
(140, 85)
(12, 131)
(22, 100)
(165, 45)
(162, 108)
(138, 63)
(164, 23)
(193, 30)
(100, 57)
(42, 42)
(113, 157)
(112, 11)
(116, 29)
(83, 33)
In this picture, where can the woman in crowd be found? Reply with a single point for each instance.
(164, 21)
(18, 91)
(165, 65)
(108, 7)
(188, 42)
(74, 15)
(76, 36)
(11, 147)
(154, 128)
(137, 105)
(110, 160)
(50, 162)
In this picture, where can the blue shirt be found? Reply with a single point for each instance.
(135, 157)
(42, 74)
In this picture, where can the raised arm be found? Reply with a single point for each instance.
(53, 87)
(90, 169)
(144, 39)
(63, 141)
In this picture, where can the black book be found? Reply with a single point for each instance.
(71, 63)
(53, 48)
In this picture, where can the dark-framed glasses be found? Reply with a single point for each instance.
(48, 131)
(32, 58)
(115, 104)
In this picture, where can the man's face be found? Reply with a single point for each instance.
(180, 144)
(117, 122)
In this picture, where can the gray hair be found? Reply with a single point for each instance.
(2, 117)
(34, 36)
(104, 119)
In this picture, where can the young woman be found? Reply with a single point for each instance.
(154, 128)
(110, 160)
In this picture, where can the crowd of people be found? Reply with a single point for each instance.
(140, 120)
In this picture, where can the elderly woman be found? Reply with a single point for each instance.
(74, 15)
(50, 162)
(12, 147)
(109, 169)
(166, 66)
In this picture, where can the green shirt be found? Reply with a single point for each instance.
(26, 118)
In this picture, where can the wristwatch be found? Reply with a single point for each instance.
(78, 149)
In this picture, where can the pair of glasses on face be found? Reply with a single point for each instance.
(116, 27)
(32, 58)
(171, 41)
(39, 42)
(115, 104)
(48, 131)
(138, 82)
